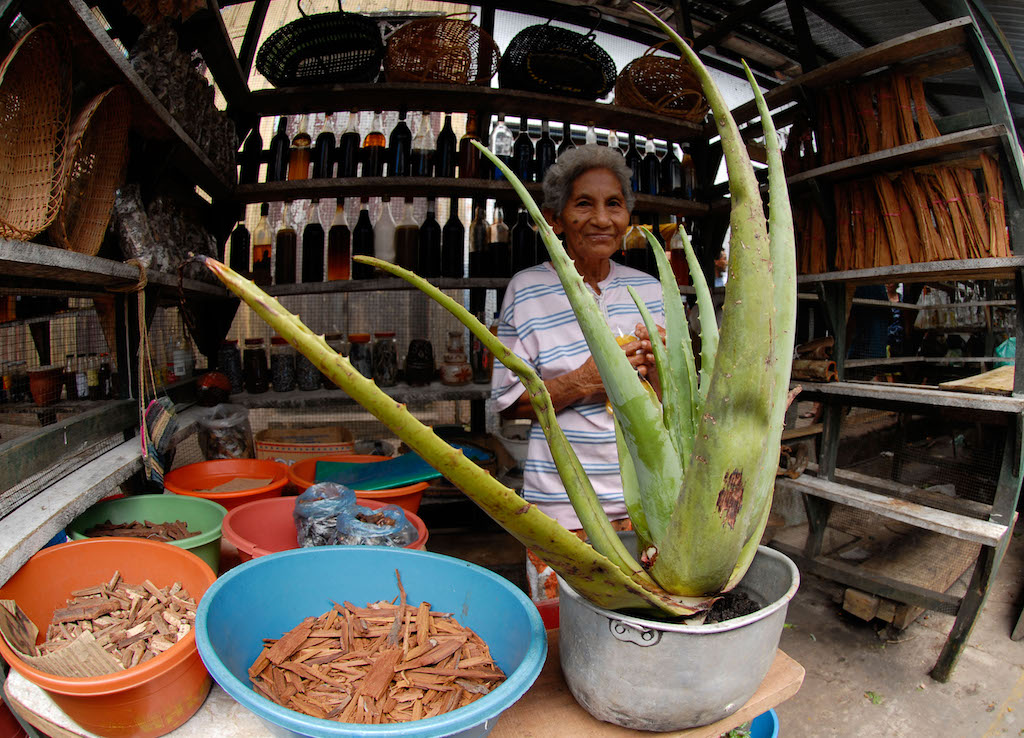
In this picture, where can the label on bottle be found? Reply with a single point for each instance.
(180, 365)
(82, 384)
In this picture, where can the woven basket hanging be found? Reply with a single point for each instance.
(97, 154)
(661, 84)
(325, 48)
(447, 49)
(35, 104)
(546, 58)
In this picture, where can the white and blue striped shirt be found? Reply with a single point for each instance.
(537, 323)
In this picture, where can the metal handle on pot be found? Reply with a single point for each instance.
(632, 634)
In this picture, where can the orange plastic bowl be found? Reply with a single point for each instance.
(195, 479)
(146, 700)
(264, 527)
(302, 474)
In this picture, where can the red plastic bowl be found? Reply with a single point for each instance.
(193, 480)
(302, 474)
(264, 527)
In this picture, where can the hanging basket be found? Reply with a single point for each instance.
(35, 104)
(325, 48)
(663, 85)
(446, 50)
(557, 61)
(97, 154)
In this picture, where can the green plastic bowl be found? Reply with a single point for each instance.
(200, 514)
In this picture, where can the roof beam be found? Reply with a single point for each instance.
(731, 23)
(247, 52)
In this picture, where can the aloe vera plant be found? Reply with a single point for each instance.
(698, 464)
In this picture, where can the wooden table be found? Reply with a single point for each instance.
(548, 703)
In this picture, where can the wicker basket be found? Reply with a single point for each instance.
(663, 85)
(325, 48)
(446, 49)
(35, 103)
(97, 153)
(546, 58)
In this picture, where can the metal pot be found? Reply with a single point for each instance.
(652, 675)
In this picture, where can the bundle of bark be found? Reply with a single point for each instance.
(176, 531)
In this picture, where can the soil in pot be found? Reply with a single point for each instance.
(731, 605)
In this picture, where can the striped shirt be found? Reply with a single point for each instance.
(537, 323)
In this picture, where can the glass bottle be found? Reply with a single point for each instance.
(323, 150)
(522, 152)
(590, 137)
(339, 245)
(300, 152)
(362, 241)
(469, 155)
(478, 244)
(453, 244)
(277, 165)
(480, 359)
(252, 153)
(70, 384)
(407, 234)
(348, 148)
(689, 176)
(501, 145)
(282, 365)
(399, 147)
(650, 169)
(635, 243)
(498, 247)
(422, 158)
(262, 241)
(524, 243)
(81, 378)
(455, 369)
(313, 246)
(238, 253)
(229, 361)
(92, 377)
(384, 356)
(566, 143)
(360, 353)
(374, 150)
(634, 161)
(677, 255)
(254, 365)
(445, 152)
(286, 246)
(652, 263)
(430, 243)
(613, 140)
(384, 233)
(546, 151)
(106, 378)
(670, 182)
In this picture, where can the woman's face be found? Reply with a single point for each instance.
(595, 217)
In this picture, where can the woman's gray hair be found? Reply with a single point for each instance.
(574, 162)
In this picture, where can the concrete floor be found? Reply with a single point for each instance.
(846, 659)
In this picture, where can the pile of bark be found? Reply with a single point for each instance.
(176, 531)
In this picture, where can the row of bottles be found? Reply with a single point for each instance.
(88, 377)
(348, 154)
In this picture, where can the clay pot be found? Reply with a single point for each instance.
(45, 384)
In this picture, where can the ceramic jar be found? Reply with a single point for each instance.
(455, 370)
(419, 362)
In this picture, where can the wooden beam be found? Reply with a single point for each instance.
(896, 397)
(728, 25)
(247, 52)
(208, 33)
(937, 271)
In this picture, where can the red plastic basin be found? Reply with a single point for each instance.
(195, 480)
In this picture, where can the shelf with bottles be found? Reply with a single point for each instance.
(934, 271)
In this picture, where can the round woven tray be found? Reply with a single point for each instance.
(35, 103)
(661, 84)
(446, 49)
(558, 61)
(97, 153)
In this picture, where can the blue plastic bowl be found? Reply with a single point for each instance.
(270, 595)
(765, 725)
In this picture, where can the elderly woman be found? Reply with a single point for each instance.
(587, 201)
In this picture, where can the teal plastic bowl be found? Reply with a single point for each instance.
(270, 595)
(765, 725)
(205, 516)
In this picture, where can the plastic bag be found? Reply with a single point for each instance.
(384, 526)
(1008, 350)
(225, 433)
(317, 511)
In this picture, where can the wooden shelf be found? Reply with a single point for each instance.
(384, 284)
(466, 98)
(297, 399)
(895, 396)
(934, 271)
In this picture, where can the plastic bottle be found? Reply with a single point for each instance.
(323, 150)
(300, 153)
(613, 140)
(430, 244)
(339, 245)
(362, 241)
(262, 241)
(277, 164)
(407, 234)
(374, 150)
(313, 246)
(81, 378)
(501, 145)
(453, 244)
(422, 157)
(590, 137)
(286, 246)
(399, 147)
(347, 154)
(92, 377)
(445, 153)
(384, 233)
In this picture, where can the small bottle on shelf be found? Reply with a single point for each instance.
(106, 377)
(566, 143)
(422, 157)
(590, 137)
(613, 140)
(300, 152)
(407, 234)
(635, 243)
(238, 249)
(524, 243)
(689, 176)
(282, 365)
(501, 145)
(362, 241)
(347, 154)
(277, 164)
(313, 246)
(670, 181)
(285, 250)
(478, 244)
(323, 150)
(650, 169)
(677, 255)
(469, 155)
(384, 233)
(339, 245)
(546, 151)
(430, 244)
(499, 248)
(634, 160)
(81, 378)
(252, 154)
(374, 150)
(445, 153)
(453, 243)
(70, 383)
(399, 147)
(480, 356)
(262, 243)
(254, 365)
(92, 377)
(522, 152)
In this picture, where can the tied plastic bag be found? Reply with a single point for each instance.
(225, 433)
(317, 511)
(384, 526)
(1007, 350)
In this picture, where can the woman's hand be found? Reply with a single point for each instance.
(641, 353)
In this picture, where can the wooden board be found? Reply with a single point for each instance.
(898, 397)
(999, 381)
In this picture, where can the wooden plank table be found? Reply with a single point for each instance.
(548, 703)
(999, 381)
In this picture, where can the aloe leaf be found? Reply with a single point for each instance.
(706, 317)
(630, 487)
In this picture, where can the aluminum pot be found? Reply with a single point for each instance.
(651, 675)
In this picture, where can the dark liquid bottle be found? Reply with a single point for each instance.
(650, 170)
(522, 152)
(546, 152)
(566, 143)
(478, 245)
(445, 154)
(671, 176)
(300, 153)
(348, 148)
(374, 150)
(239, 254)
(399, 146)
(469, 155)
(262, 243)
(524, 244)
(339, 246)
(362, 242)
(430, 244)
(636, 247)
(286, 244)
(634, 161)
(277, 166)
(313, 246)
(252, 152)
(423, 149)
(453, 244)
(407, 236)
(499, 248)
(323, 151)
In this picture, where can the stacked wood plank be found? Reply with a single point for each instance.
(176, 531)
(383, 663)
